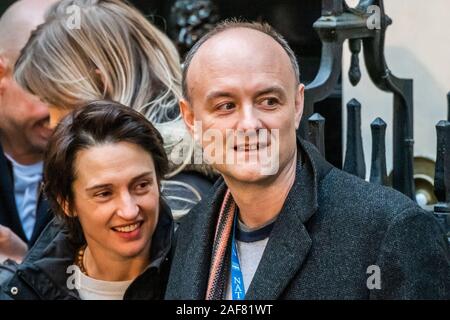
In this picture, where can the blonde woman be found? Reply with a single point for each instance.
(112, 52)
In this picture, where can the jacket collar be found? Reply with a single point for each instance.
(189, 276)
(10, 218)
(45, 268)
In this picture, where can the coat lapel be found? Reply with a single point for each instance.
(9, 215)
(289, 242)
(194, 251)
(43, 217)
(286, 251)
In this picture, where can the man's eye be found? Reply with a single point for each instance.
(226, 107)
(270, 102)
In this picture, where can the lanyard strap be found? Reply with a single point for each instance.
(237, 280)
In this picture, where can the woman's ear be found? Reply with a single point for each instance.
(64, 205)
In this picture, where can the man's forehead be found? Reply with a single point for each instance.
(238, 48)
(238, 42)
(17, 23)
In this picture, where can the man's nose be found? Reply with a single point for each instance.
(249, 119)
(127, 207)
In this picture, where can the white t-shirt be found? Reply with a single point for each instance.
(26, 185)
(93, 289)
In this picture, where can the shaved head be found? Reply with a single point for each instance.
(17, 23)
(24, 131)
(238, 48)
(262, 29)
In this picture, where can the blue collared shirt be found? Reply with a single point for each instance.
(26, 185)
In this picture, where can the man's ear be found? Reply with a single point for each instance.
(299, 103)
(3, 71)
(3, 66)
(188, 115)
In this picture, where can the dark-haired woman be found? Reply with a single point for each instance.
(112, 233)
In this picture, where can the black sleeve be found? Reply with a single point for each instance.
(414, 258)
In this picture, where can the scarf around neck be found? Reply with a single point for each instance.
(217, 272)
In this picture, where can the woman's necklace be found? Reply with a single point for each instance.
(79, 260)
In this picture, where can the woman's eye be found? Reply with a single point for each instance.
(226, 106)
(103, 194)
(142, 186)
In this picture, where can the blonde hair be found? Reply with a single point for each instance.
(115, 54)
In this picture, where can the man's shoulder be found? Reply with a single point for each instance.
(368, 217)
(200, 213)
(344, 192)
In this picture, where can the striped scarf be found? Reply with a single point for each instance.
(217, 272)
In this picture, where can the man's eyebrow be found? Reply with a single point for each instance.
(218, 94)
(106, 185)
(272, 89)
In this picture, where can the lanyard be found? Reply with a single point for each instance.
(237, 280)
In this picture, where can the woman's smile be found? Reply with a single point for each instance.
(130, 231)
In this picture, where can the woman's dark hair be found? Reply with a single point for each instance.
(96, 123)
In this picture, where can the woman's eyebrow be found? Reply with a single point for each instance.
(106, 185)
(99, 186)
(142, 175)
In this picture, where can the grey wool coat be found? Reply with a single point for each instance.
(332, 235)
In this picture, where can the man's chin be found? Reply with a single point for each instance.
(247, 174)
(45, 134)
(40, 137)
(39, 144)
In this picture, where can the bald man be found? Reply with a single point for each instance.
(23, 137)
(283, 223)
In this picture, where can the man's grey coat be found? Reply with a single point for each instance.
(331, 232)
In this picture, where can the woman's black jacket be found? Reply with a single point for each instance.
(45, 273)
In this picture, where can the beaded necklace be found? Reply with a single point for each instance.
(79, 260)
